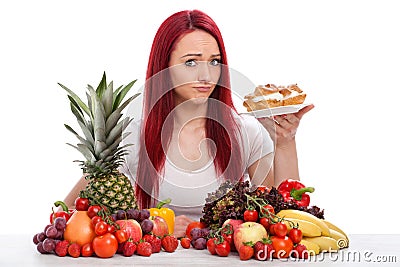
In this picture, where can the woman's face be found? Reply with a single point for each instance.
(195, 66)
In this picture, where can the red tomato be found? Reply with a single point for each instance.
(111, 228)
(229, 238)
(87, 250)
(280, 229)
(211, 245)
(96, 219)
(282, 246)
(269, 209)
(105, 246)
(121, 236)
(222, 249)
(262, 189)
(194, 225)
(250, 216)
(93, 210)
(272, 229)
(101, 228)
(265, 222)
(82, 204)
(296, 235)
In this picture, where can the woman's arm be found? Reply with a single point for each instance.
(74, 193)
(282, 130)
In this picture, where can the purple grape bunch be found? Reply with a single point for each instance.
(199, 238)
(46, 241)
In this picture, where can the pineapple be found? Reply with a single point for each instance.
(102, 127)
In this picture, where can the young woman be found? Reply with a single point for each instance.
(190, 137)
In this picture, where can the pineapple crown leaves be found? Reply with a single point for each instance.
(101, 125)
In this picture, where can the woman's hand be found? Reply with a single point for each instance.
(283, 128)
(181, 222)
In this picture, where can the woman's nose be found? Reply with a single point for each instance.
(203, 74)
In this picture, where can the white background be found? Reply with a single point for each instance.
(344, 54)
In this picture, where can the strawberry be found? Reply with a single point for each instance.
(129, 248)
(185, 242)
(169, 243)
(263, 250)
(246, 252)
(62, 248)
(144, 249)
(154, 241)
(74, 250)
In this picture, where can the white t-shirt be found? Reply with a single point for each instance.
(188, 189)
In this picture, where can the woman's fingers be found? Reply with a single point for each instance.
(304, 110)
(181, 222)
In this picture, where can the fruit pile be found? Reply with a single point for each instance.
(91, 230)
(258, 224)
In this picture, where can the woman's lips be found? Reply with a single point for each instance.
(203, 88)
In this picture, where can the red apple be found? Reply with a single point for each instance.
(160, 227)
(248, 231)
(132, 228)
(235, 223)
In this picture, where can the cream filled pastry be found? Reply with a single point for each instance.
(270, 96)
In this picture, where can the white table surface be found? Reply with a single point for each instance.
(364, 250)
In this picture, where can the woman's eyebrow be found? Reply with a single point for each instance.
(192, 55)
(199, 55)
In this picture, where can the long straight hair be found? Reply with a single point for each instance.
(159, 102)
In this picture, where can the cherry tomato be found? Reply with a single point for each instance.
(269, 209)
(227, 234)
(192, 225)
(250, 216)
(87, 250)
(82, 204)
(272, 229)
(211, 245)
(93, 210)
(105, 246)
(121, 236)
(222, 249)
(101, 228)
(280, 229)
(262, 188)
(229, 238)
(296, 235)
(96, 219)
(265, 222)
(282, 246)
(111, 228)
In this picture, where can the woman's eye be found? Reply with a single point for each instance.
(215, 62)
(190, 63)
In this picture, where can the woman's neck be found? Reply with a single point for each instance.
(191, 114)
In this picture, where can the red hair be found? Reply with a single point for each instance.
(159, 102)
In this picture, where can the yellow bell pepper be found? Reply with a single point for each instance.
(166, 213)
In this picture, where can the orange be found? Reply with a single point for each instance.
(79, 229)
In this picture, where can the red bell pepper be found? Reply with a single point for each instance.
(65, 213)
(293, 190)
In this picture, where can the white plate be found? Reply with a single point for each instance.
(276, 111)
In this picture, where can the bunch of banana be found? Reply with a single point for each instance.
(318, 235)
